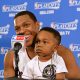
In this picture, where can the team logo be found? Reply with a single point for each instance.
(75, 3)
(1, 74)
(74, 47)
(65, 28)
(47, 7)
(49, 72)
(4, 29)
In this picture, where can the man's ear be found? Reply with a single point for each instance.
(55, 48)
(37, 26)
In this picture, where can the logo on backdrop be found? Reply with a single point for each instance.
(1, 73)
(4, 29)
(4, 50)
(65, 28)
(74, 47)
(47, 7)
(14, 8)
(75, 3)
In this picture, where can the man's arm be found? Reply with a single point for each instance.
(73, 68)
(8, 65)
(60, 76)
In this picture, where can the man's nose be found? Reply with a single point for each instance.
(21, 31)
(24, 32)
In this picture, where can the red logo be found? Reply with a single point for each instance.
(19, 37)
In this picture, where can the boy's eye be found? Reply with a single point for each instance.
(44, 42)
(38, 41)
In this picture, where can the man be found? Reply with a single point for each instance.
(26, 23)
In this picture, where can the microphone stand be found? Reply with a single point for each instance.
(17, 47)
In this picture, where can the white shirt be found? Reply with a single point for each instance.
(23, 59)
(34, 68)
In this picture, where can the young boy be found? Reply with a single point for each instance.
(47, 64)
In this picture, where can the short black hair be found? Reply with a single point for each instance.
(55, 33)
(31, 15)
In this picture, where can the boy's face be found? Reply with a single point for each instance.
(46, 43)
(26, 26)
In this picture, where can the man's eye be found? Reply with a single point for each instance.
(26, 25)
(17, 29)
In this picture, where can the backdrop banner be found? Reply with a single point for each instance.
(63, 15)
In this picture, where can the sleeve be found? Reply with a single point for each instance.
(28, 73)
(61, 67)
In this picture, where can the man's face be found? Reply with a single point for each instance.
(26, 26)
(45, 43)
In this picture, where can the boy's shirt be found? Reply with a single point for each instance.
(34, 68)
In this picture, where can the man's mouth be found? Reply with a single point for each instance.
(27, 37)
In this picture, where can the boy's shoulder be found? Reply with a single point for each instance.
(57, 58)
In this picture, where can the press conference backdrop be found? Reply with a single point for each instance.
(63, 15)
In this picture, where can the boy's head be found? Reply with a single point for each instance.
(47, 41)
(54, 32)
(25, 23)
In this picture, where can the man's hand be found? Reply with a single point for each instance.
(73, 68)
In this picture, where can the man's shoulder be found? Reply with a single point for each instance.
(33, 60)
(22, 50)
(10, 54)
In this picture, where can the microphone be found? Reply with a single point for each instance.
(17, 42)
